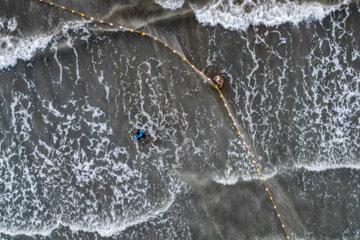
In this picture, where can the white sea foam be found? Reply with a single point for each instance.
(111, 229)
(170, 4)
(324, 167)
(316, 167)
(12, 24)
(16, 232)
(13, 49)
(269, 13)
(8, 25)
(99, 160)
(234, 179)
(226, 180)
(106, 87)
(104, 229)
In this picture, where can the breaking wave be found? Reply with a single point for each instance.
(14, 49)
(234, 16)
(170, 4)
(232, 179)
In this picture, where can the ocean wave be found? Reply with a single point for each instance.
(85, 171)
(319, 167)
(269, 13)
(325, 167)
(104, 230)
(100, 161)
(107, 230)
(227, 180)
(12, 49)
(234, 179)
(17, 232)
(170, 4)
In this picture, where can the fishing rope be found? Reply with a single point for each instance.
(260, 175)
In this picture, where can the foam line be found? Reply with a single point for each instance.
(233, 179)
(108, 230)
(14, 48)
(20, 49)
(170, 4)
(105, 230)
(270, 13)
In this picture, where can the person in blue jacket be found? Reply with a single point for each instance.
(139, 134)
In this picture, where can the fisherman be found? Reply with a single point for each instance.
(139, 134)
(218, 81)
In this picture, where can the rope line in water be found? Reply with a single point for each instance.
(203, 75)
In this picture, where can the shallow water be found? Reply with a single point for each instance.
(73, 92)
